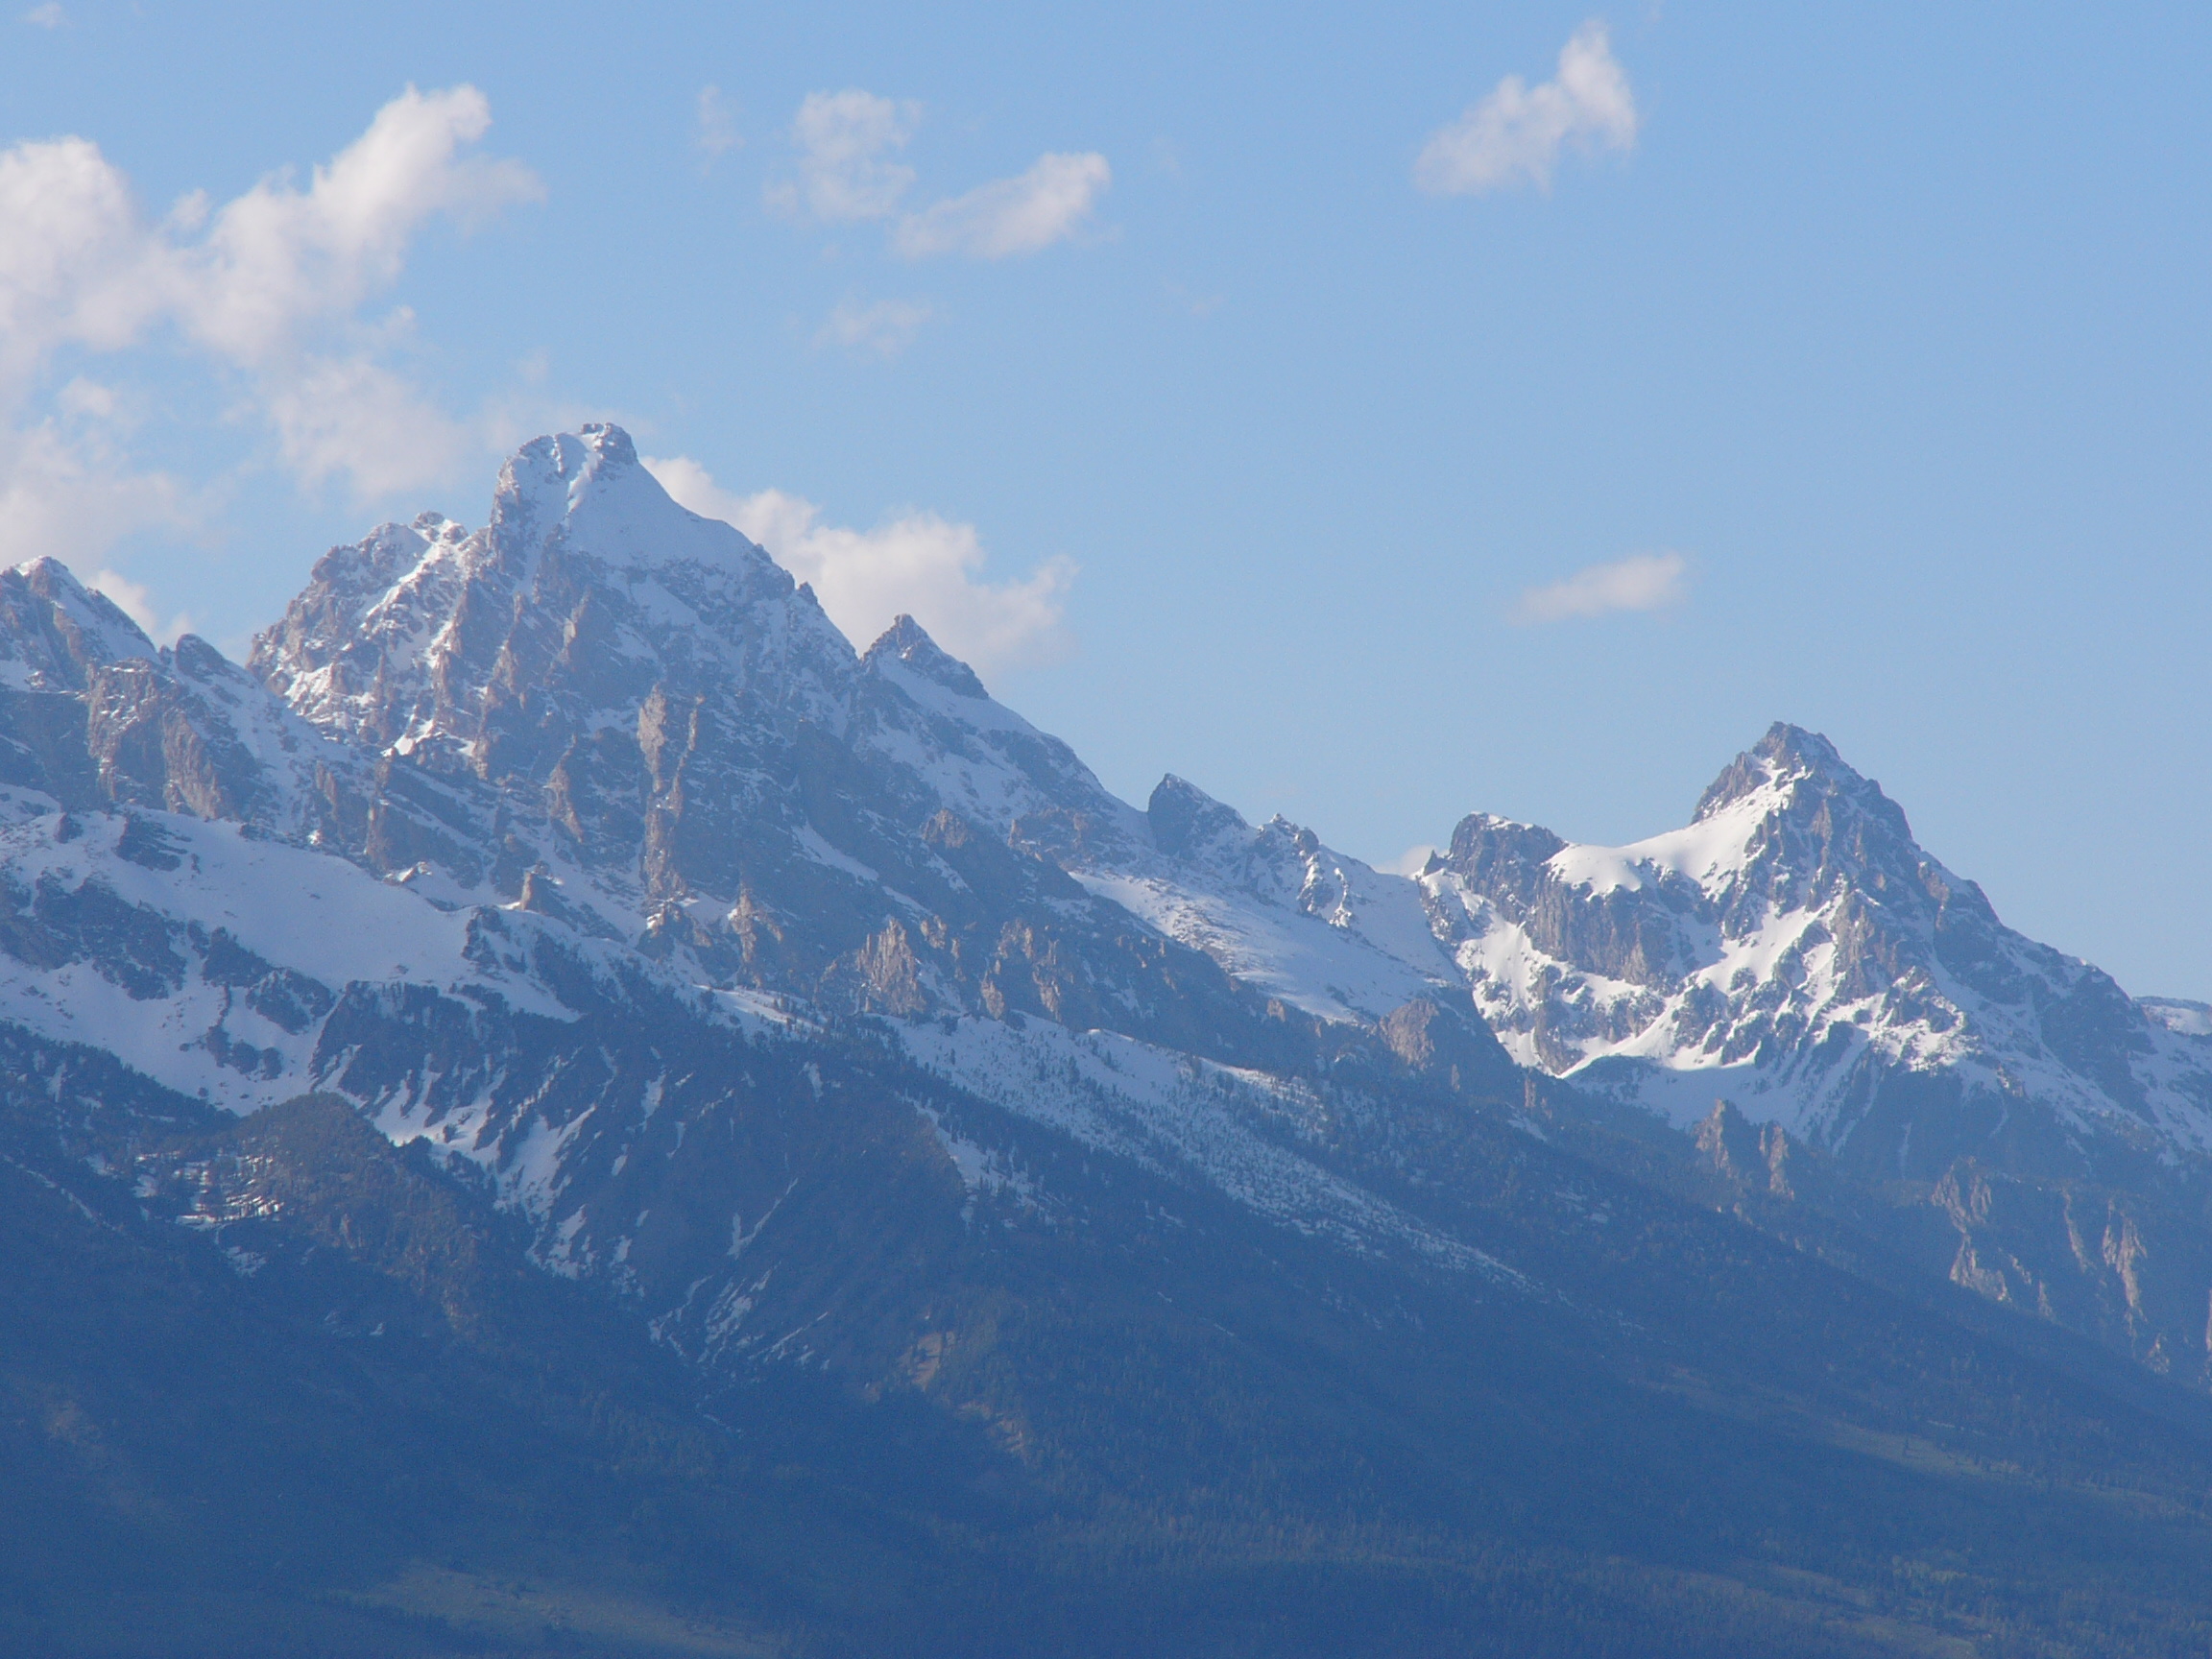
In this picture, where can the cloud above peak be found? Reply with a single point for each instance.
(714, 125)
(265, 298)
(1517, 133)
(1009, 216)
(279, 257)
(260, 281)
(915, 563)
(1640, 582)
(882, 330)
(845, 142)
(847, 172)
(137, 603)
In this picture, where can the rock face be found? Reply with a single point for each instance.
(688, 753)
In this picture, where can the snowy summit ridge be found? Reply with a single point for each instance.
(641, 679)
(1795, 950)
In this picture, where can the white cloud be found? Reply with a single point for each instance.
(76, 264)
(272, 283)
(847, 142)
(84, 399)
(1009, 216)
(136, 602)
(279, 257)
(883, 329)
(1640, 582)
(67, 495)
(354, 418)
(717, 128)
(844, 139)
(1411, 862)
(918, 564)
(47, 16)
(1518, 132)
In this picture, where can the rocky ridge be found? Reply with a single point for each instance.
(1795, 951)
(530, 839)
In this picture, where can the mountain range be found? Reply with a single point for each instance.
(560, 1106)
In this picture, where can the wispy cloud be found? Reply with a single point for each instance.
(715, 126)
(357, 419)
(280, 258)
(1024, 214)
(68, 493)
(137, 603)
(883, 329)
(272, 282)
(47, 16)
(915, 563)
(272, 289)
(846, 141)
(1516, 134)
(847, 172)
(1640, 582)
(1411, 862)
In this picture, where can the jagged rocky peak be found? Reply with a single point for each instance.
(551, 477)
(586, 492)
(93, 715)
(673, 727)
(1499, 854)
(53, 631)
(908, 643)
(1809, 824)
(1279, 861)
(1191, 827)
(1784, 756)
(1185, 820)
(353, 651)
(587, 591)
(1795, 945)
(1787, 827)
(1786, 824)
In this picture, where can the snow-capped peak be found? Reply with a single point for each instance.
(586, 492)
(588, 588)
(1795, 948)
(1784, 756)
(908, 641)
(1788, 825)
(1186, 822)
(54, 630)
(549, 477)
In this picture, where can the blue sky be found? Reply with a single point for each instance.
(1277, 398)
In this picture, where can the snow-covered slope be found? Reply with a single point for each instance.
(1182, 1117)
(1795, 951)
(1316, 928)
(244, 971)
(202, 957)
